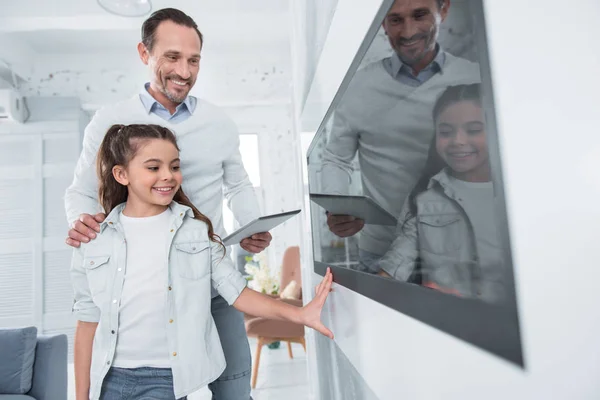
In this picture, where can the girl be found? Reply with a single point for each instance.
(142, 287)
(448, 234)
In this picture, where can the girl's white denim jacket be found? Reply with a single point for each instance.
(194, 263)
(441, 239)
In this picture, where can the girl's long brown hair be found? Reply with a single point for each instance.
(118, 147)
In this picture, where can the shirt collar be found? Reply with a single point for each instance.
(438, 61)
(150, 102)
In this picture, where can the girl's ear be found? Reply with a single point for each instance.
(120, 175)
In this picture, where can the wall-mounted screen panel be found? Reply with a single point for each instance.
(411, 134)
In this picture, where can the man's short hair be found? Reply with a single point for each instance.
(166, 14)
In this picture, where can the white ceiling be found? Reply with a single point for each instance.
(63, 8)
(73, 26)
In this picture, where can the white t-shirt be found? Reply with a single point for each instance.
(143, 319)
(477, 199)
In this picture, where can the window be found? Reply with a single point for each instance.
(249, 150)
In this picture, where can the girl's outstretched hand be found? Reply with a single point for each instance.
(311, 313)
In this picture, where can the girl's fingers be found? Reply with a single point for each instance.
(319, 287)
(322, 329)
(326, 287)
(325, 284)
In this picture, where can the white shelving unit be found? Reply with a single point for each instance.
(37, 160)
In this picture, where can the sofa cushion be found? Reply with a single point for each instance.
(17, 352)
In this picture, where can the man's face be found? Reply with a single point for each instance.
(174, 60)
(412, 27)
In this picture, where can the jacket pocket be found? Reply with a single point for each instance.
(97, 271)
(441, 233)
(193, 259)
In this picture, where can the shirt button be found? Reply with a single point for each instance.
(170, 321)
(170, 288)
(91, 263)
(171, 230)
(193, 248)
(114, 301)
(108, 363)
(113, 332)
(174, 354)
(181, 215)
(110, 223)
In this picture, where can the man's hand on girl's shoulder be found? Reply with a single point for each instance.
(84, 229)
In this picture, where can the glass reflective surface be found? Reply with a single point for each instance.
(405, 177)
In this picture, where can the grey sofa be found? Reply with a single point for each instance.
(49, 378)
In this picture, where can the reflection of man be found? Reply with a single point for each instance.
(211, 165)
(385, 116)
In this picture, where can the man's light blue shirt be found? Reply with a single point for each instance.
(403, 73)
(182, 112)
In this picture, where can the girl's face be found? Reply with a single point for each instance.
(152, 177)
(461, 141)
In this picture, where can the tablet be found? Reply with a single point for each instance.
(259, 225)
(362, 207)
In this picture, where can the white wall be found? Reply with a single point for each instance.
(544, 115)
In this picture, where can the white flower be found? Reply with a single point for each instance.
(261, 277)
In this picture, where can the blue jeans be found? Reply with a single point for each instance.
(138, 384)
(157, 383)
(234, 382)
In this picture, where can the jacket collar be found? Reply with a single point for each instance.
(442, 179)
(180, 212)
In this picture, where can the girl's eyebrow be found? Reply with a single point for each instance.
(153, 160)
(175, 160)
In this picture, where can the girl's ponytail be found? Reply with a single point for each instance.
(111, 193)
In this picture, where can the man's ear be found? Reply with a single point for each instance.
(143, 52)
(444, 9)
(120, 175)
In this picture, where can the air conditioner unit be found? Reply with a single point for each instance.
(12, 106)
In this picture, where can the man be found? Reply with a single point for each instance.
(210, 161)
(385, 117)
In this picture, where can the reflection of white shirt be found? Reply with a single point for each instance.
(390, 125)
(477, 200)
(142, 334)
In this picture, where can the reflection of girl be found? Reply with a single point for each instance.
(142, 287)
(448, 222)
